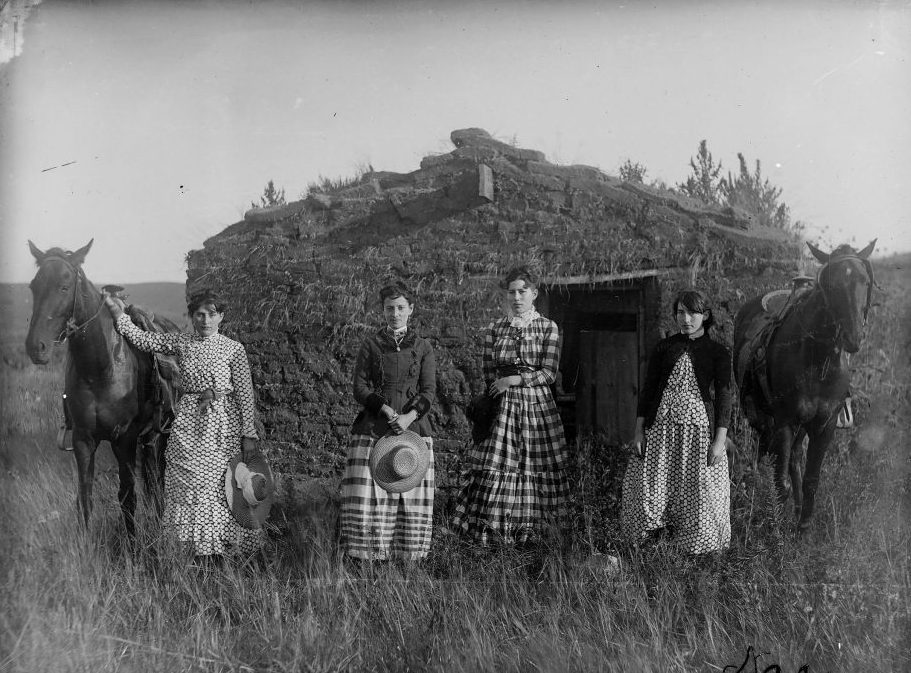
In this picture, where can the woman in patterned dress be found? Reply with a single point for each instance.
(678, 477)
(514, 482)
(213, 421)
(395, 381)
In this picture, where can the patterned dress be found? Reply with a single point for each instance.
(200, 445)
(514, 483)
(673, 486)
(375, 524)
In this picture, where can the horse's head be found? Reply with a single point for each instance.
(846, 282)
(54, 291)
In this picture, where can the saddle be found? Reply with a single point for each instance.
(752, 366)
(165, 386)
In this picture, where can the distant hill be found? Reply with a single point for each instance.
(166, 299)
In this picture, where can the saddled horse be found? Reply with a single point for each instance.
(792, 373)
(110, 387)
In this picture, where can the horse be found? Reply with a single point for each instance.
(109, 386)
(791, 369)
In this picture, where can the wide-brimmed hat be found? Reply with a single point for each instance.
(249, 489)
(398, 463)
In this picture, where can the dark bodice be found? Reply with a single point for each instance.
(711, 365)
(402, 376)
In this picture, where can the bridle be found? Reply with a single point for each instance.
(841, 258)
(71, 327)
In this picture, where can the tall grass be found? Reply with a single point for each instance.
(835, 600)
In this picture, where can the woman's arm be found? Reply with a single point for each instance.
(363, 387)
(487, 355)
(427, 383)
(243, 391)
(150, 342)
(721, 375)
(546, 373)
(651, 383)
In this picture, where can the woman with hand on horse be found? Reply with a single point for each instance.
(395, 382)
(514, 483)
(678, 477)
(213, 421)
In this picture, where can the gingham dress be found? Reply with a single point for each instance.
(200, 445)
(673, 485)
(375, 524)
(514, 483)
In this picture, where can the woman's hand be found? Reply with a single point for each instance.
(717, 451)
(639, 444)
(501, 385)
(400, 422)
(247, 449)
(639, 437)
(114, 304)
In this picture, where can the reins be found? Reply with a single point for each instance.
(71, 327)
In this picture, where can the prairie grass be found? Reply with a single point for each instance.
(835, 600)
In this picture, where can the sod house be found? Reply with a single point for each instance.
(301, 281)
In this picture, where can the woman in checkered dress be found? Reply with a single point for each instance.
(213, 422)
(514, 482)
(395, 381)
(678, 478)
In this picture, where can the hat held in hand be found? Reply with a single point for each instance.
(249, 489)
(398, 463)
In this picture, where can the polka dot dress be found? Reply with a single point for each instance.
(201, 444)
(673, 486)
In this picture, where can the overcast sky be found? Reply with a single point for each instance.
(150, 126)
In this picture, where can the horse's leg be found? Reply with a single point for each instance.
(125, 451)
(795, 467)
(816, 452)
(84, 450)
(153, 470)
(782, 439)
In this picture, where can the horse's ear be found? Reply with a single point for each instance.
(78, 257)
(818, 254)
(36, 252)
(863, 254)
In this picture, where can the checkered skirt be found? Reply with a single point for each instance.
(377, 525)
(514, 484)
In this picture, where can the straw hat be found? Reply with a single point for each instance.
(249, 489)
(398, 463)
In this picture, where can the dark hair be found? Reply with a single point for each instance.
(204, 297)
(521, 273)
(396, 290)
(695, 302)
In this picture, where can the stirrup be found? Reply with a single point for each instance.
(845, 415)
(62, 444)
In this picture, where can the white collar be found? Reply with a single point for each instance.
(523, 320)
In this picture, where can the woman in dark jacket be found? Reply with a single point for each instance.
(395, 381)
(678, 477)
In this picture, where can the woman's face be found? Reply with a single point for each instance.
(690, 322)
(206, 320)
(397, 311)
(521, 297)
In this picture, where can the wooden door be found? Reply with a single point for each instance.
(608, 383)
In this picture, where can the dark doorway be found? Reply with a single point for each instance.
(606, 327)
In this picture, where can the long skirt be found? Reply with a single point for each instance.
(196, 509)
(377, 525)
(514, 484)
(674, 487)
